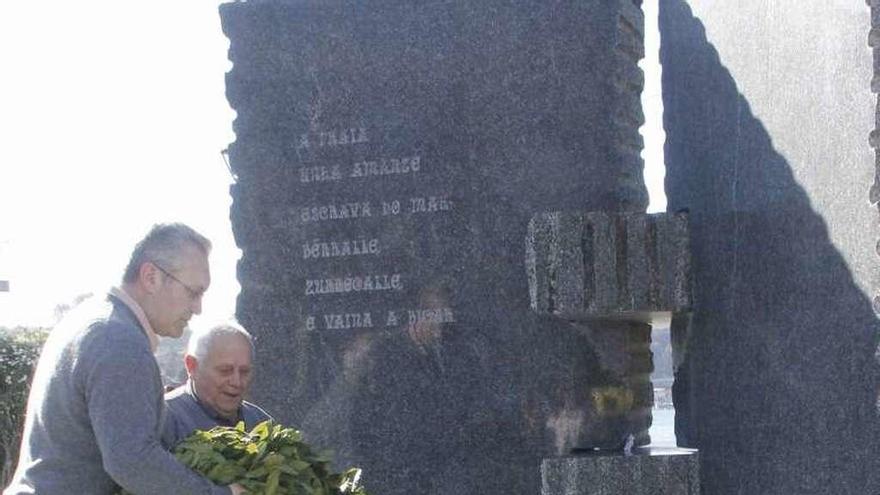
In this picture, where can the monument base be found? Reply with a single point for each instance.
(649, 470)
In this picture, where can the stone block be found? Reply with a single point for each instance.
(649, 471)
(604, 265)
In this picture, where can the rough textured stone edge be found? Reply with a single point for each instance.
(627, 82)
(874, 138)
(605, 265)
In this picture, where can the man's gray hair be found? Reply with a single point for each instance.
(200, 341)
(164, 244)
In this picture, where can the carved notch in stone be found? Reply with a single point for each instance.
(597, 265)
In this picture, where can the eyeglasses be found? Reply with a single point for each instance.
(194, 294)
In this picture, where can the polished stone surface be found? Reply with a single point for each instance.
(389, 156)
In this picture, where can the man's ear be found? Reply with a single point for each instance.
(148, 276)
(191, 364)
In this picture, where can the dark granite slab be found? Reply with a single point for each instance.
(389, 156)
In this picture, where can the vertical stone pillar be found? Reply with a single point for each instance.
(767, 107)
(389, 157)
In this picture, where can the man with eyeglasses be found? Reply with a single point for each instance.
(95, 413)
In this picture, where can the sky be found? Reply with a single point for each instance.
(113, 116)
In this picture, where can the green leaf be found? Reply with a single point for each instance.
(272, 482)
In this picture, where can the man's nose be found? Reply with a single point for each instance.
(236, 380)
(196, 306)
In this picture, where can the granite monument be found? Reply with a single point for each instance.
(389, 156)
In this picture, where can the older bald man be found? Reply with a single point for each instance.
(219, 366)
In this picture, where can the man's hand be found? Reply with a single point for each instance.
(237, 489)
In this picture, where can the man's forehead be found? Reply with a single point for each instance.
(228, 346)
(194, 265)
(194, 257)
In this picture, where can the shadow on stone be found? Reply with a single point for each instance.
(779, 384)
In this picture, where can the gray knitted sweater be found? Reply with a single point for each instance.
(95, 413)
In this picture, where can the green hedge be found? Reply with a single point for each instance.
(19, 350)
